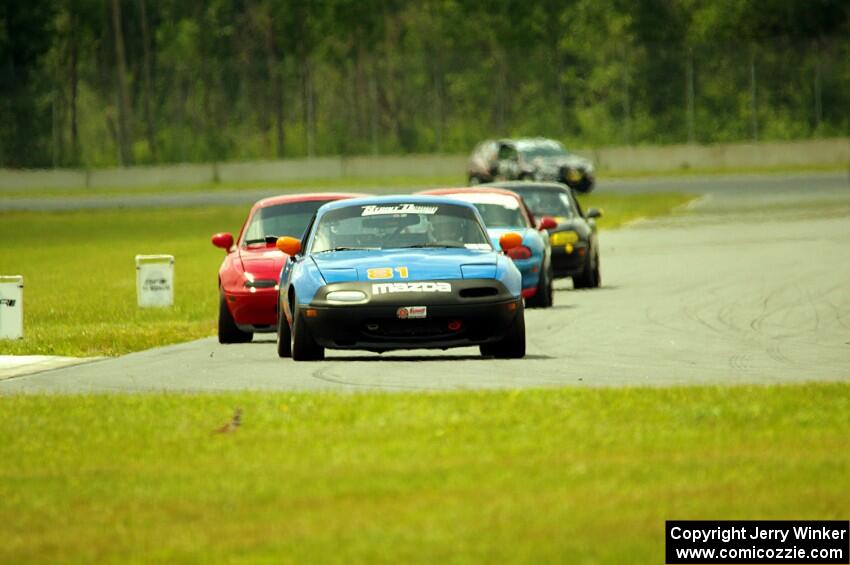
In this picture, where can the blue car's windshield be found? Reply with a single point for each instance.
(397, 225)
(283, 219)
(497, 210)
(500, 216)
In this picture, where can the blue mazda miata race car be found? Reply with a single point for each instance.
(399, 272)
(504, 211)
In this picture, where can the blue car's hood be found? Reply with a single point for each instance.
(420, 264)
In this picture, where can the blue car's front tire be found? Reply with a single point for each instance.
(544, 297)
(512, 345)
(304, 347)
(284, 336)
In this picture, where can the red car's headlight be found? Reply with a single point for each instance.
(261, 283)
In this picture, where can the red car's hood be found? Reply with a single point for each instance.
(262, 262)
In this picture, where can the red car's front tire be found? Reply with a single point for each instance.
(228, 332)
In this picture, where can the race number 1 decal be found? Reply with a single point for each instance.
(386, 273)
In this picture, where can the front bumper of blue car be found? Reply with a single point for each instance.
(412, 315)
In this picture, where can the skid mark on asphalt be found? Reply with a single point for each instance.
(321, 374)
(706, 311)
(776, 353)
(841, 313)
(740, 362)
(767, 320)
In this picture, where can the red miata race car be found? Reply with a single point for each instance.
(248, 277)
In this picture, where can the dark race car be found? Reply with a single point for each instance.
(248, 277)
(529, 159)
(575, 243)
(399, 272)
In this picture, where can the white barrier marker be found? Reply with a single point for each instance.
(155, 280)
(11, 307)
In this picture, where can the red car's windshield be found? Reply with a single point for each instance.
(283, 219)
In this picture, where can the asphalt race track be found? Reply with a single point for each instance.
(750, 285)
(752, 183)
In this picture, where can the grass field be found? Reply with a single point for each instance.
(79, 277)
(568, 475)
(79, 271)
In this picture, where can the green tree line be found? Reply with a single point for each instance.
(103, 82)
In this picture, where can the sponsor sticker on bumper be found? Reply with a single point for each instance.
(412, 312)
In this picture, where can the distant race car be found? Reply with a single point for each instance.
(575, 242)
(248, 277)
(399, 272)
(504, 211)
(529, 159)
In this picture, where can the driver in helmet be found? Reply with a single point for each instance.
(446, 230)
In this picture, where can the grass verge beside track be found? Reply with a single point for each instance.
(79, 272)
(620, 209)
(80, 277)
(569, 475)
